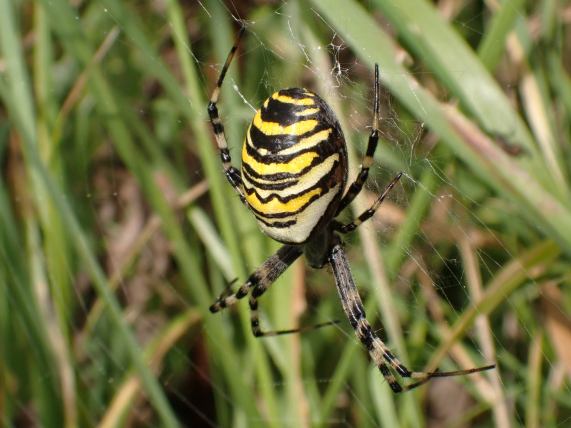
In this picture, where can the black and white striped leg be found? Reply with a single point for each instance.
(232, 174)
(349, 227)
(380, 354)
(270, 270)
(255, 317)
(357, 185)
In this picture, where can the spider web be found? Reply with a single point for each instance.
(457, 223)
(449, 202)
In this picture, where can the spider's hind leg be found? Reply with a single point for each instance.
(255, 318)
(380, 354)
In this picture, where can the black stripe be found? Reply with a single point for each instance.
(365, 333)
(403, 371)
(258, 291)
(372, 145)
(218, 128)
(395, 387)
(325, 146)
(323, 153)
(212, 110)
(242, 292)
(277, 224)
(269, 186)
(285, 113)
(233, 176)
(325, 119)
(321, 183)
(225, 155)
(358, 310)
(277, 143)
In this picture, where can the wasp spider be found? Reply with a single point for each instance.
(294, 172)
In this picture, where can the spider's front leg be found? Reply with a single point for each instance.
(356, 187)
(231, 173)
(349, 227)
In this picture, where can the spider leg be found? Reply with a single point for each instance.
(265, 275)
(380, 354)
(349, 227)
(357, 185)
(258, 283)
(228, 290)
(255, 317)
(231, 173)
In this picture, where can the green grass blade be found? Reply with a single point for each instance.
(516, 180)
(493, 44)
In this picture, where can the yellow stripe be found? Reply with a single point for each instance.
(295, 187)
(294, 166)
(296, 101)
(307, 142)
(306, 112)
(274, 128)
(274, 206)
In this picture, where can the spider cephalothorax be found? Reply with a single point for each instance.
(294, 172)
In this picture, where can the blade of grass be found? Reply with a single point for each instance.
(484, 328)
(515, 180)
(24, 330)
(384, 401)
(102, 91)
(536, 105)
(561, 83)
(138, 246)
(429, 36)
(54, 334)
(533, 402)
(154, 353)
(215, 179)
(460, 70)
(399, 246)
(56, 246)
(23, 114)
(529, 265)
(493, 44)
(477, 381)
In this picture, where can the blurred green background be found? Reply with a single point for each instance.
(118, 229)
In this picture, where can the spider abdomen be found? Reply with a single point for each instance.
(294, 165)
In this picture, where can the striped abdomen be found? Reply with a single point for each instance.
(294, 165)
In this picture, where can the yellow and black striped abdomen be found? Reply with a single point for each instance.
(294, 165)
